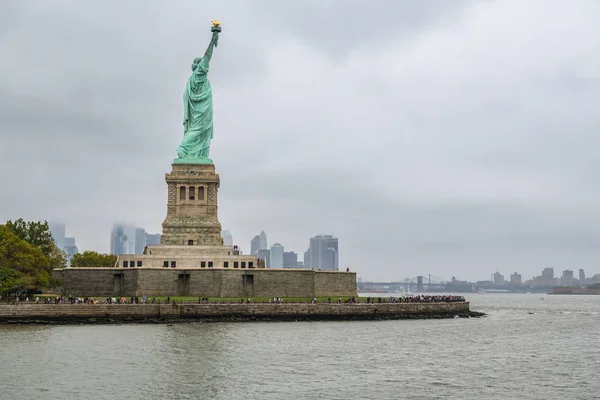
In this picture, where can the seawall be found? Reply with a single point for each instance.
(107, 313)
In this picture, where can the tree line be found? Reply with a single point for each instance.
(28, 255)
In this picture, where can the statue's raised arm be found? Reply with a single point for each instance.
(198, 109)
(213, 43)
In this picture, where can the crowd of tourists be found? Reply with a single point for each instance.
(88, 300)
(417, 299)
(205, 300)
(138, 300)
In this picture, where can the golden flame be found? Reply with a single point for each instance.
(216, 22)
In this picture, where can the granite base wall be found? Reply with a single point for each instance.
(227, 312)
(205, 282)
(329, 283)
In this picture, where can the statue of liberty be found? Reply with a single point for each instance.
(198, 109)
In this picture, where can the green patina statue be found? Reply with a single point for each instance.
(198, 109)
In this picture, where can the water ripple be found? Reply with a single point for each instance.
(527, 348)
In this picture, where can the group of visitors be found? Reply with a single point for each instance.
(417, 299)
(91, 300)
(138, 300)
(274, 300)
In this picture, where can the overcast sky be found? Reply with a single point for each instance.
(452, 138)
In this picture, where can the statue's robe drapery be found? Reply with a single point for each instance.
(197, 114)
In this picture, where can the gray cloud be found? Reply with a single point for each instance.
(451, 138)
(335, 28)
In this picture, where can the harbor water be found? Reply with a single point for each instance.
(529, 346)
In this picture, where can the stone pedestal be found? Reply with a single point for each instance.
(192, 218)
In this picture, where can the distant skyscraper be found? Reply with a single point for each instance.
(262, 244)
(152, 239)
(290, 259)
(515, 279)
(254, 245)
(258, 242)
(140, 240)
(58, 234)
(227, 238)
(548, 273)
(116, 239)
(264, 254)
(307, 259)
(277, 256)
(567, 277)
(324, 253)
(70, 247)
(498, 278)
(581, 275)
(127, 239)
(66, 244)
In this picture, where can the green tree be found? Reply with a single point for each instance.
(57, 258)
(10, 280)
(22, 264)
(93, 259)
(38, 234)
(35, 233)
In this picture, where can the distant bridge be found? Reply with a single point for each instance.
(421, 283)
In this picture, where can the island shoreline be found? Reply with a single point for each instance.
(241, 312)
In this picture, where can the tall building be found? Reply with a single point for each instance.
(58, 233)
(498, 278)
(264, 254)
(227, 238)
(262, 244)
(581, 275)
(152, 239)
(567, 277)
(307, 259)
(515, 279)
(70, 248)
(254, 244)
(140, 240)
(324, 253)
(66, 244)
(548, 273)
(127, 239)
(116, 239)
(277, 256)
(290, 259)
(258, 242)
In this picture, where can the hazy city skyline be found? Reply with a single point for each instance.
(67, 244)
(451, 138)
(322, 250)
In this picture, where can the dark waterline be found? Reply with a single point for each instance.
(528, 347)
